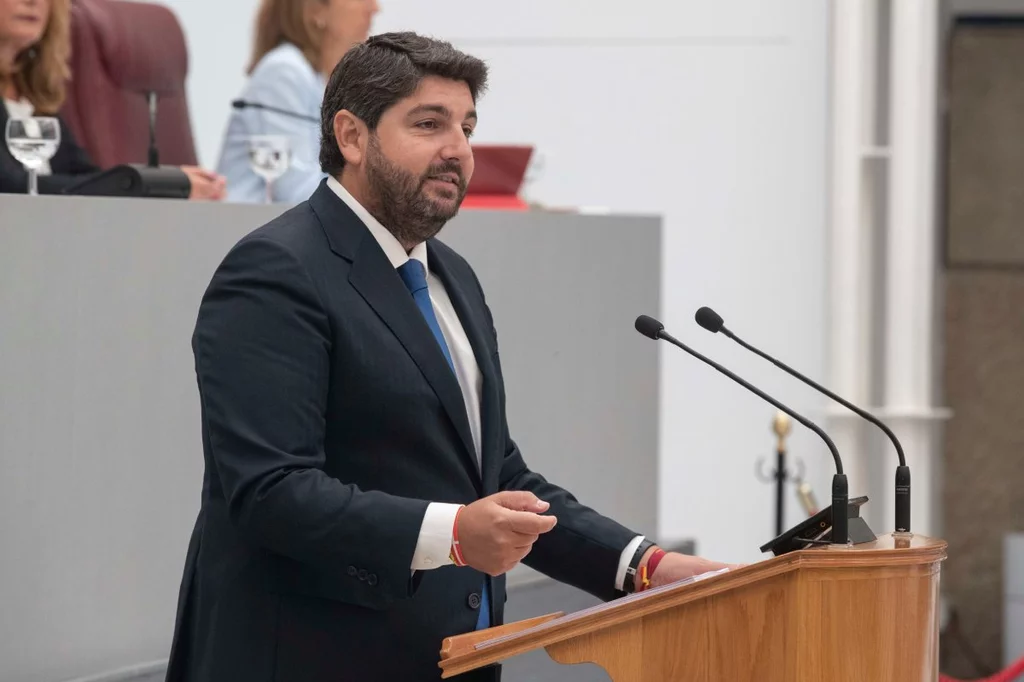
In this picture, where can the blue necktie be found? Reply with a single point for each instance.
(414, 276)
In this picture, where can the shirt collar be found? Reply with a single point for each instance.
(390, 245)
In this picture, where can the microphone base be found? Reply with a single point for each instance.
(858, 531)
(817, 530)
(134, 180)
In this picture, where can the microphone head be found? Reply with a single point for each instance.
(709, 319)
(238, 104)
(649, 327)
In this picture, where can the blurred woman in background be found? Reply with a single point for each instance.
(35, 44)
(297, 45)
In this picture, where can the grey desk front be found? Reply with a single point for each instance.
(100, 451)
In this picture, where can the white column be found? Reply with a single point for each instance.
(910, 328)
(853, 49)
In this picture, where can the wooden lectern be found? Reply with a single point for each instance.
(861, 613)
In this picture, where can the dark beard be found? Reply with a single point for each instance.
(398, 200)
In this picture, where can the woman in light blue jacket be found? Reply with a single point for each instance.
(297, 45)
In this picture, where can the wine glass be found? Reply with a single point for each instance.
(33, 141)
(270, 156)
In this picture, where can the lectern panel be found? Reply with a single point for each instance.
(873, 625)
(751, 629)
(677, 644)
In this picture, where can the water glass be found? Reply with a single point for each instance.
(33, 142)
(270, 156)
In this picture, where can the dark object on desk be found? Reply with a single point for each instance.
(817, 530)
(134, 180)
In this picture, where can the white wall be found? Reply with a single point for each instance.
(710, 113)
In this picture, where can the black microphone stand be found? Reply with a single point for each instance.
(246, 104)
(153, 155)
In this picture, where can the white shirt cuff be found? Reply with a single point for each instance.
(627, 556)
(435, 541)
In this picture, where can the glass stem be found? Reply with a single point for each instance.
(33, 182)
(270, 191)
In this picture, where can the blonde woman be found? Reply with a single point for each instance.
(35, 43)
(297, 45)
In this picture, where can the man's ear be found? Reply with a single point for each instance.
(352, 136)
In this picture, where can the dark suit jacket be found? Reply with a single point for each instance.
(330, 419)
(69, 164)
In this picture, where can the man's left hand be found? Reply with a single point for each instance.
(674, 566)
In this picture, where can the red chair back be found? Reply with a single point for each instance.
(121, 51)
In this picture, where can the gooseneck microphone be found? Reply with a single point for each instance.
(653, 329)
(713, 322)
(246, 104)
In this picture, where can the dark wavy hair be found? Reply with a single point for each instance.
(376, 74)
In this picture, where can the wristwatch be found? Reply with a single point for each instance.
(629, 583)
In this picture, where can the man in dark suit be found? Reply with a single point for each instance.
(363, 498)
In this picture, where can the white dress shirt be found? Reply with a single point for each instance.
(435, 538)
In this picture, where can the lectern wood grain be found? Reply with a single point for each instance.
(849, 614)
(683, 637)
(621, 648)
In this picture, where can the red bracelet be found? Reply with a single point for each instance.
(652, 563)
(456, 553)
(647, 571)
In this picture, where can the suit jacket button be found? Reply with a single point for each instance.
(371, 580)
(352, 571)
(473, 601)
(362, 574)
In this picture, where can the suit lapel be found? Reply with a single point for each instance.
(474, 323)
(373, 276)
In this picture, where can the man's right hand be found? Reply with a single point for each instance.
(495, 533)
